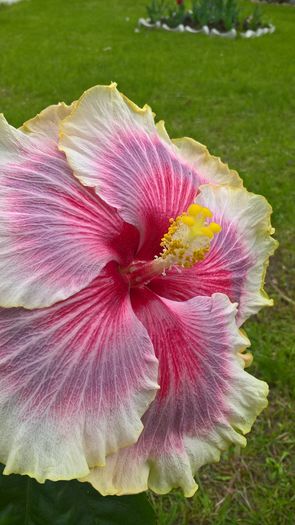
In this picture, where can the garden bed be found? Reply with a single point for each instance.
(206, 30)
(211, 17)
(284, 2)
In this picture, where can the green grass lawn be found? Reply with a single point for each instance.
(238, 98)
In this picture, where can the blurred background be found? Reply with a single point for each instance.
(238, 98)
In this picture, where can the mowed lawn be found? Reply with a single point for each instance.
(238, 98)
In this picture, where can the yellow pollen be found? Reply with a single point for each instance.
(187, 219)
(188, 238)
(206, 232)
(196, 209)
(214, 227)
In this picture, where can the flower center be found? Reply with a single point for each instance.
(188, 238)
(186, 242)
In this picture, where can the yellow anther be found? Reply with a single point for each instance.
(186, 219)
(207, 232)
(207, 213)
(194, 209)
(214, 227)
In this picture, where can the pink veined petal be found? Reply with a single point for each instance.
(55, 234)
(115, 147)
(238, 256)
(206, 400)
(75, 379)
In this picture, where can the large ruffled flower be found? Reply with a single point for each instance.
(128, 262)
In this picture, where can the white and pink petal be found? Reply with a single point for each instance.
(238, 256)
(47, 122)
(75, 380)
(55, 234)
(115, 147)
(206, 400)
(210, 169)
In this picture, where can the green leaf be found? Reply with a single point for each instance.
(23, 501)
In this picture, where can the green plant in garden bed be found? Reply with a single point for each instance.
(163, 11)
(156, 10)
(178, 16)
(291, 2)
(253, 21)
(222, 15)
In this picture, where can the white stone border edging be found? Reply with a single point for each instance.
(143, 22)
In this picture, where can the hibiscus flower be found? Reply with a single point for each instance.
(128, 263)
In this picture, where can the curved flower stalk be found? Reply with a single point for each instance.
(128, 262)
